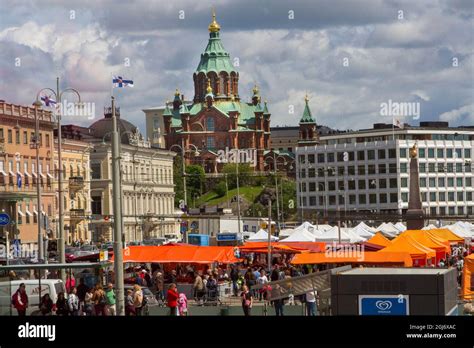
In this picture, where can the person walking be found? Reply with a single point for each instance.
(82, 289)
(172, 298)
(89, 303)
(62, 308)
(129, 305)
(250, 278)
(247, 300)
(198, 288)
(137, 299)
(20, 300)
(73, 302)
(311, 307)
(160, 284)
(278, 303)
(183, 304)
(262, 280)
(46, 305)
(234, 277)
(100, 301)
(110, 296)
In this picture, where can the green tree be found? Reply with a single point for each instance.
(195, 177)
(244, 174)
(220, 189)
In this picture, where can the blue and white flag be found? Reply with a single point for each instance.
(120, 82)
(47, 101)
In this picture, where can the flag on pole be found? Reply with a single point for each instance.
(398, 123)
(47, 101)
(120, 82)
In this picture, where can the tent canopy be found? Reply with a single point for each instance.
(429, 240)
(365, 258)
(179, 254)
(261, 235)
(447, 234)
(379, 239)
(262, 247)
(300, 235)
(467, 275)
(405, 243)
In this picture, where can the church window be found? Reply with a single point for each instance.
(210, 124)
(210, 142)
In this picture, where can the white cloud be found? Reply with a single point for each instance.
(463, 114)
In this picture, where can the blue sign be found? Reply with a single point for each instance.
(226, 237)
(383, 305)
(4, 219)
(18, 180)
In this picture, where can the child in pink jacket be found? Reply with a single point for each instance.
(183, 305)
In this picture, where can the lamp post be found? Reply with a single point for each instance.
(61, 237)
(36, 144)
(275, 171)
(183, 150)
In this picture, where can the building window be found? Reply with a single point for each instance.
(421, 153)
(47, 140)
(361, 184)
(467, 152)
(382, 154)
(393, 198)
(382, 183)
(331, 157)
(17, 137)
(95, 170)
(422, 182)
(440, 153)
(361, 169)
(405, 197)
(393, 183)
(96, 205)
(442, 196)
(403, 167)
(431, 152)
(362, 199)
(321, 158)
(460, 196)
(392, 153)
(10, 136)
(371, 154)
(311, 158)
(432, 182)
(210, 124)
(422, 167)
(403, 153)
(360, 155)
(432, 196)
(404, 182)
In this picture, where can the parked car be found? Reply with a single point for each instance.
(86, 250)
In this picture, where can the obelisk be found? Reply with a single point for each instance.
(414, 215)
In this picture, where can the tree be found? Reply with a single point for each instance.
(195, 177)
(244, 174)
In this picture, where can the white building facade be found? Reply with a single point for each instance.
(368, 170)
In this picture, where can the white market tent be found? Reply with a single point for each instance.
(332, 235)
(362, 232)
(261, 236)
(388, 229)
(460, 231)
(400, 226)
(286, 232)
(300, 235)
(429, 227)
(366, 227)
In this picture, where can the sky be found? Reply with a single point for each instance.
(349, 56)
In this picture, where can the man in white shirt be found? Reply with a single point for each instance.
(262, 280)
(311, 302)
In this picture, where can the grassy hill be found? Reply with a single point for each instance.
(249, 193)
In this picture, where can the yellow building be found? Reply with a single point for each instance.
(20, 174)
(75, 155)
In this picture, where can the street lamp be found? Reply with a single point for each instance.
(275, 170)
(58, 95)
(183, 151)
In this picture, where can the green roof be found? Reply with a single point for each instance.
(265, 110)
(215, 57)
(307, 117)
(167, 111)
(184, 109)
(246, 111)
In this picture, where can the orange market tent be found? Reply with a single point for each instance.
(262, 247)
(468, 278)
(418, 252)
(179, 254)
(379, 239)
(393, 258)
(441, 246)
(447, 234)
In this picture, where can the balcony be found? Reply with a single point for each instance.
(76, 183)
(77, 214)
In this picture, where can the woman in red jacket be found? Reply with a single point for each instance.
(172, 298)
(20, 300)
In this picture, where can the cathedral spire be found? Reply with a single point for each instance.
(307, 116)
(214, 27)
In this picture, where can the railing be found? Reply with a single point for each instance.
(77, 214)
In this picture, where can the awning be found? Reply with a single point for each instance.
(20, 212)
(3, 173)
(28, 212)
(27, 174)
(42, 175)
(34, 174)
(364, 258)
(49, 175)
(19, 173)
(179, 254)
(11, 173)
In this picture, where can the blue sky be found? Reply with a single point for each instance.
(396, 50)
